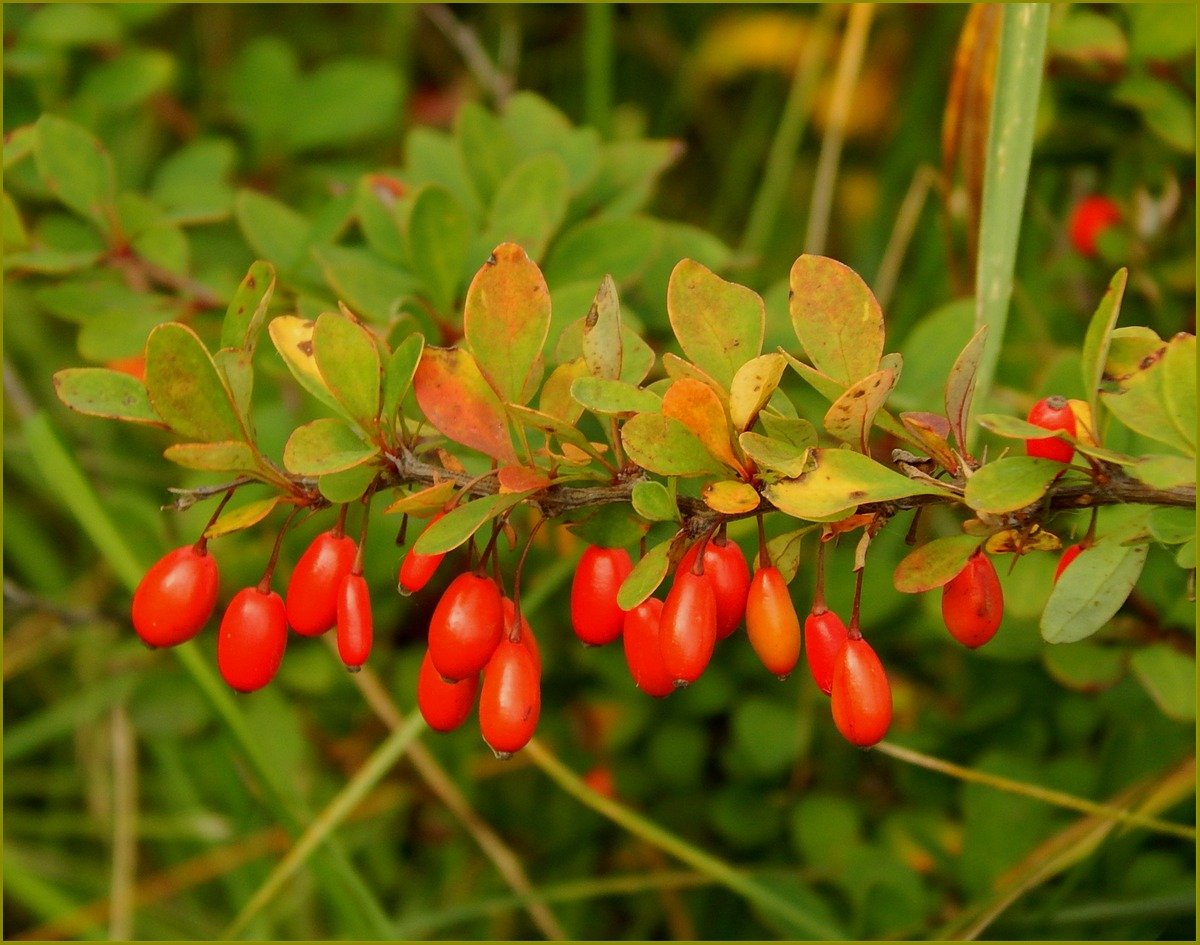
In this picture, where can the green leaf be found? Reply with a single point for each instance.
(1099, 336)
(348, 360)
(1161, 32)
(274, 230)
(99, 392)
(1128, 349)
(784, 551)
(836, 318)
(626, 176)
(1011, 483)
(960, 386)
(1179, 385)
(243, 517)
(228, 456)
(248, 308)
(549, 425)
(506, 319)
(1170, 678)
(373, 288)
(293, 339)
(609, 526)
(1091, 590)
(343, 102)
(262, 91)
(325, 446)
(237, 369)
(398, 376)
(185, 388)
(77, 169)
(62, 25)
(126, 81)
(719, 324)
(1167, 111)
(1172, 526)
(831, 390)
(792, 430)
(1164, 472)
(588, 251)
(601, 343)
(646, 576)
(51, 262)
(603, 396)
(751, 388)
(1088, 38)
(841, 481)
(1086, 666)
(776, 456)
(536, 127)
(437, 232)
(433, 157)
(192, 185)
(15, 237)
(1142, 404)
(530, 205)
(486, 149)
(934, 563)
(347, 485)
(459, 402)
(852, 415)
(653, 502)
(460, 523)
(665, 446)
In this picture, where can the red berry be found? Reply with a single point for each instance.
(973, 602)
(466, 626)
(416, 569)
(176, 597)
(771, 622)
(643, 649)
(1091, 217)
(252, 639)
(600, 779)
(861, 695)
(688, 629)
(312, 591)
(444, 705)
(355, 627)
(824, 637)
(1052, 413)
(595, 615)
(1067, 557)
(525, 636)
(725, 566)
(510, 700)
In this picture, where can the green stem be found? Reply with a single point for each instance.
(1046, 795)
(598, 66)
(1017, 82)
(720, 871)
(369, 775)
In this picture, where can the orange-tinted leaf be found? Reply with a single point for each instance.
(457, 400)
(930, 431)
(960, 386)
(730, 497)
(719, 324)
(506, 319)
(556, 398)
(850, 416)
(836, 318)
(676, 368)
(665, 446)
(521, 479)
(694, 404)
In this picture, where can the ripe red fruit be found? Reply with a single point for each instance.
(861, 695)
(312, 591)
(416, 569)
(973, 602)
(510, 700)
(688, 627)
(1052, 413)
(824, 637)
(595, 615)
(355, 627)
(444, 705)
(726, 568)
(176, 597)
(466, 626)
(1091, 217)
(1067, 557)
(252, 639)
(771, 622)
(643, 649)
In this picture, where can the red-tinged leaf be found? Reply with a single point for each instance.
(836, 318)
(522, 479)
(850, 417)
(934, 563)
(602, 332)
(960, 387)
(694, 404)
(930, 431)
(460, 404)
(506, 319)
(719, 324)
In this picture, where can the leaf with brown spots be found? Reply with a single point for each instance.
(602, 332)
(248, 308)
(293, 339)
(694, 404)
(850, 417)
(730, 497)
(457, 400)
(719, 324)
(751, 388)
(836, 318)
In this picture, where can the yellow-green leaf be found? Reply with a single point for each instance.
(230, 456)
(751, 388)
(186, 389)
(851, 416)
(665, 446)
(645, 577)
(242, 517)
(1011, 483)
(248, 308)
(730, 497)
(293, 339)
(1091, 590)
(836, 318)
(99, 392)
(719, 324)
(324, 446)
(348, 359)
(934, 563)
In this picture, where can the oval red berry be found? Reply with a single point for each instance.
(444, 705)
(312, 591)
(416, 569)
(595, 614)
(252, 639)
(355, 626)
(510, 700)
(727, 570)
(861, 696)
(643, 649)
(176, 597)
(771, 622)
(824, 637)
(466, 626)
(688, 630)
(1052, 413)
(973, 602)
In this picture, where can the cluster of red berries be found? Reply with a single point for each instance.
(177, 596)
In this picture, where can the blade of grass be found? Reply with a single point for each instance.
(1038, 793)
(598, 66)
(43, 899)
(65, 716)
(849, 65)
(1017, 84)
(907, 217)
(328, 820)
(729, 876)
(781, 157)
(347, 889)
(125, 824)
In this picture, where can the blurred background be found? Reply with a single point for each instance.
(740, 136)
